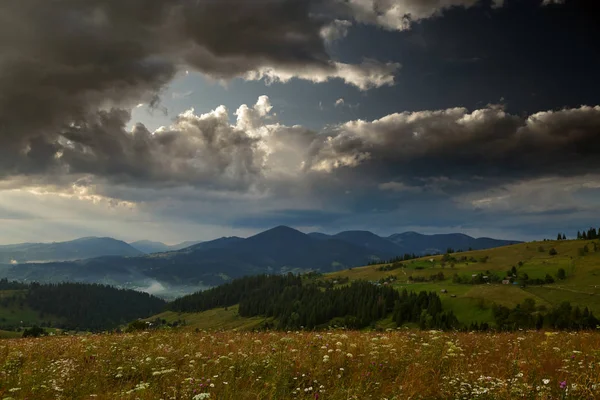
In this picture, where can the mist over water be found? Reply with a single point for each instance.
(167, 291)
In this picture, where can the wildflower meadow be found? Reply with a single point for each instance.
(399, 364)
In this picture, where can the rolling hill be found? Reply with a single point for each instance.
(472, 302)
(78, 249)
(470, 299)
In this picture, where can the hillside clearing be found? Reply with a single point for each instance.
(471, 303)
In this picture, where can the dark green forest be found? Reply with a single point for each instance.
(233, 292)
(296, 304)
(92, 306)
(81, 306)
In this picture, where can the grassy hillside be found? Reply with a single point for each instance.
(10, 334)
(215, 319)
(472, 302)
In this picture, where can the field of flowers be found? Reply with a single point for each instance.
(303, 365)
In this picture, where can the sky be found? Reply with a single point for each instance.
(177, 120)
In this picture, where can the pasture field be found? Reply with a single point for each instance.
(215, 319)
(469, 302)
(399, 364)
(10, 334)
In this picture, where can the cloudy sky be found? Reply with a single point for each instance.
(176, 120)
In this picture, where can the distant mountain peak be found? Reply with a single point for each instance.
(281, 230)
(279, 236)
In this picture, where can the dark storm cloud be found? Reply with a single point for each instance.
(69, 68)
(487, 145)
(399, 15)
(290, 218)
(195, 150)
(65, 64)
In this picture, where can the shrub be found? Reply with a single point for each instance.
(137, 325)
(34, 331)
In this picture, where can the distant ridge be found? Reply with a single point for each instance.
(149, 247)
(213, 244)
(83, 248)
(413, 242)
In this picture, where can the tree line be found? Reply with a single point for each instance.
(590, 234)
(529, 316)
(399, 259)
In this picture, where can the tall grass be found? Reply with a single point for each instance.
(336, 365)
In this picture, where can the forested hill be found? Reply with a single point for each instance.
(76, 306)
(293, 303)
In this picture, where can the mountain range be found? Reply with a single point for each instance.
(278, 250)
